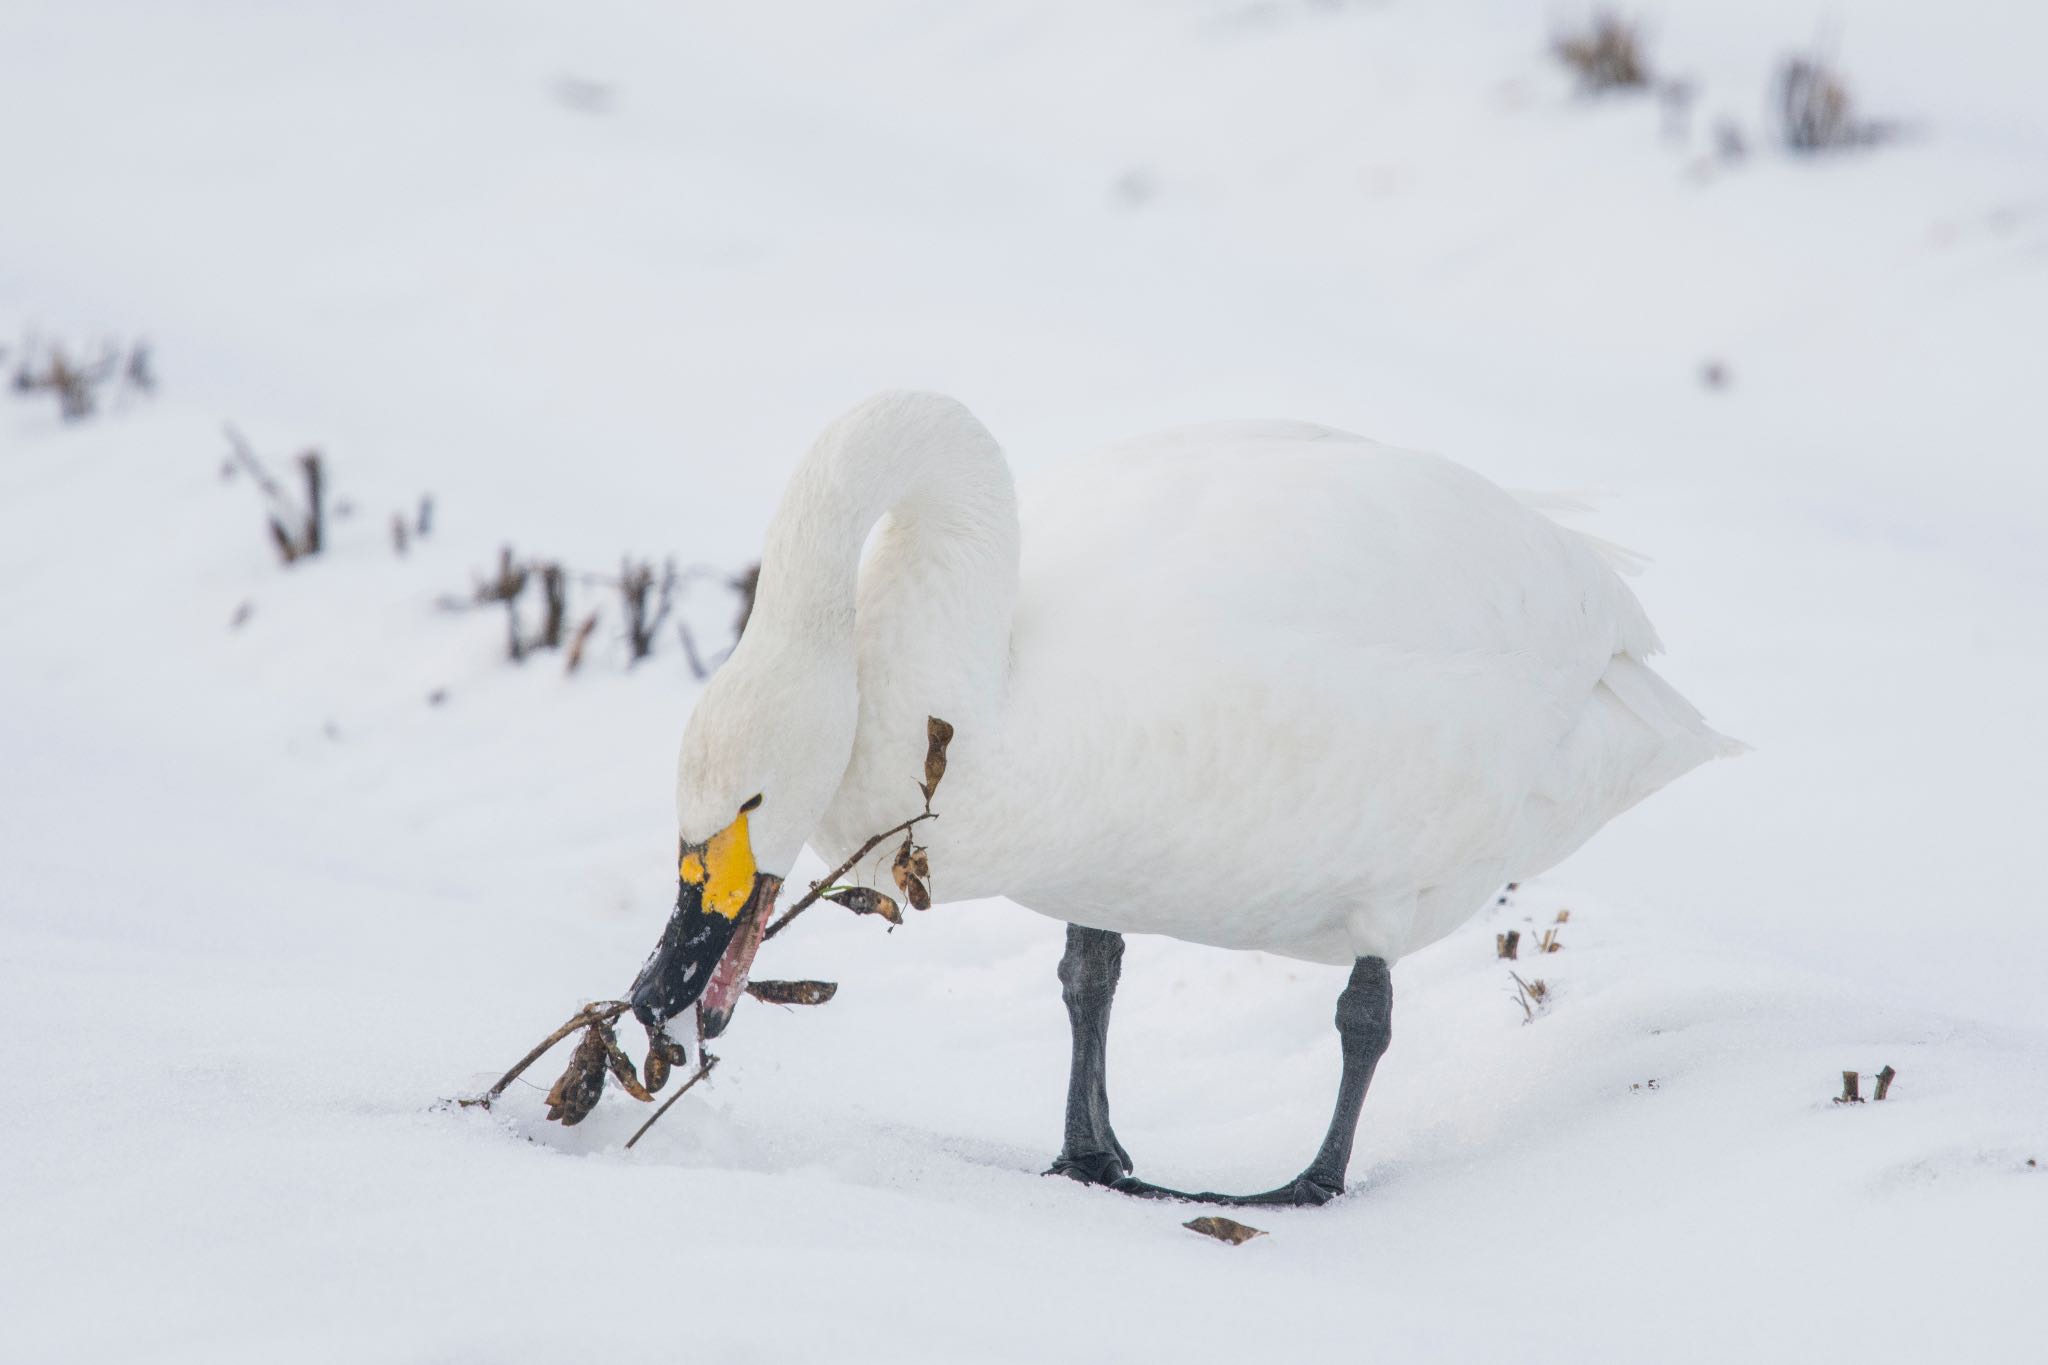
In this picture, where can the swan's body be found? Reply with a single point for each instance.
(1267, 686)
(1256, 685)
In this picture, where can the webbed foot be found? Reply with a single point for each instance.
(1094, 1168)
(1307, 1190)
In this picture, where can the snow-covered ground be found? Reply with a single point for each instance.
(594, 275)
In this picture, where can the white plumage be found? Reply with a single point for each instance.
(1253, 684)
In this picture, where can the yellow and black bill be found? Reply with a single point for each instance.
(722, 906)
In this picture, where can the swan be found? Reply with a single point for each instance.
(1259, 685)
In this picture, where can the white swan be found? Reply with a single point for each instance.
(1253, 684)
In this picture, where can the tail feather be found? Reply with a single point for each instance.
(1637, 734)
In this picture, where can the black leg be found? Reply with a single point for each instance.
(1088, 974)
(1365, 1014)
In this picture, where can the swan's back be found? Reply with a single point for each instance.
(1337, 692)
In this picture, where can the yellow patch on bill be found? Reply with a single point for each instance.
(724, 867)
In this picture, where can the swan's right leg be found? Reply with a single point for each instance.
(1088, 975)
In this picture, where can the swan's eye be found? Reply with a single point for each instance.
(751, 803)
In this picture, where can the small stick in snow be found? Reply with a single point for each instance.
(314, 534)
(579, 640)
(690, 655)
(1507, 946)
(555, 604)
(1884, 1081)
(1849, 1084)
(682, 1090)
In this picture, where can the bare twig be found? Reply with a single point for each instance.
(241, 454)
(138, 371)
(315, 529)
(1815, 113)
(1884, 1081)
(745, 585)
(555, 603)
(682, 1090)
(579, 640)
(1607, 55)
(690, 655)
(636, 582)
(310, 519)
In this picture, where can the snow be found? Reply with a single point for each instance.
(262, 904)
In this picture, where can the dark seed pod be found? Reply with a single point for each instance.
(655, 1070)
(899, 866)
(620, 1064)
(862, 901)
(938, 734)
(792, 992)
(582, 1085)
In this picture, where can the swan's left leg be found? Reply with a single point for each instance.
(1365, 1013)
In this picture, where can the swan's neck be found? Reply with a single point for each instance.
(926, 625)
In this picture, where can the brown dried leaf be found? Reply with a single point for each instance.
(655, 1068)
(621, 1065)
(938, 734)
(920, 865)
(580, 1087)
(792, 992)
(1223, 1229)
(920, 899)
(862, 901)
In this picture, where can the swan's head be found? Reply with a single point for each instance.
(762, 756)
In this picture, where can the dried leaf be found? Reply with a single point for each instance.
(792, 992)
(580, 1087)
(899, 866)
(920, 899)
(621, 1065)
(862, 901)
(1223, 1229)
(920, 865)
(655, 1068)
(938, 734)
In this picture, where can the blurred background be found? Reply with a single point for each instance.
(1764, 284)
